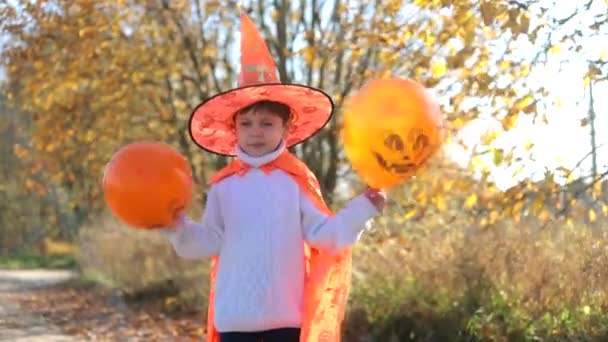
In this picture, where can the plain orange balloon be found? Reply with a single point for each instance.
(391, 128)
(146, 184)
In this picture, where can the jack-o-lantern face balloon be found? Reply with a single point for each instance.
(391, 128)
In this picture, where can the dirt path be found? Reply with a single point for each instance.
(15, 323)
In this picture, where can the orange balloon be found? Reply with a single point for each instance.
(391, 128)
(146, 183)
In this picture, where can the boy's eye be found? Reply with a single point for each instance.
(267, 124)
(244, 123)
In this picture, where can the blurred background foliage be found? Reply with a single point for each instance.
(487, 243)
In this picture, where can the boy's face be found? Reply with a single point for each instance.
(259, 132)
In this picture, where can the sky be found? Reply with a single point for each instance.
(563, 142)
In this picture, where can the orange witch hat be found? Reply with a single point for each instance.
(211, 123)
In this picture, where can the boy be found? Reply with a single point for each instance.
(281, 259)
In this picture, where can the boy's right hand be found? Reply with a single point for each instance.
(179, 217)
(377, 197)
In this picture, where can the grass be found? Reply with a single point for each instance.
(33, 261)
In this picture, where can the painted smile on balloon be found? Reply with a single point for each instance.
(404, 164)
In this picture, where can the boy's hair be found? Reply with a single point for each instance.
(283, 111)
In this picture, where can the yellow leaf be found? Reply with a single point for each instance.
(20, 151)
(458, 123)
(555, 49)
(86, 31)
(488, 12)
(448, 185)
(538, 204)
(499, 156)
(440, 203)
(411, 213)
(597, 188)
(438, 69)
(471, 201)
(504, 65)
(586, 310)
(89, 136)
(509, 121)
(592, 215)
(489, 137)
(545, 119)
(544, 216)
(605, 209)
(571, 178)
(29, 184)
(586, 80)
(478, 163)
(524, 23)
(603, 55)
(309, 54)
(421, 197)
(430, 40)
(525, 102)
(525, 70)
(493, 217)
(170, 300)
(517, 209)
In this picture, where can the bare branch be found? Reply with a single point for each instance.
(190, 48)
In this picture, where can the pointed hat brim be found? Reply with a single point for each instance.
(212, 122)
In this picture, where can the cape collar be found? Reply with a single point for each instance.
(261, 160)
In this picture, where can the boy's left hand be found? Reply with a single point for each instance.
(377, 197)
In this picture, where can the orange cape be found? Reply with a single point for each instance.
(327, 276)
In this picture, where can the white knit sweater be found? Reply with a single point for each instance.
(258, 224)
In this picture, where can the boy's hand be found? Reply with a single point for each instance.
(179, 216)
(377, 197)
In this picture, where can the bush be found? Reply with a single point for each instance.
(141, 264)
(504, 283)
(411, 282)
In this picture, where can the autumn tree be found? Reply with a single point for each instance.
(91, 77)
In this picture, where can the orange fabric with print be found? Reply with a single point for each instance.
(327, 276)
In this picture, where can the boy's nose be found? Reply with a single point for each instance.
(257, 130)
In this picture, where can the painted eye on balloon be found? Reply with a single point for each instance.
(422, 141)
(418, 139)
(394, 142)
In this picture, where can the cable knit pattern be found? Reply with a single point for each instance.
(258, 223)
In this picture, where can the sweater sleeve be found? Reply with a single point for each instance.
(199, 240)
(332, 234)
